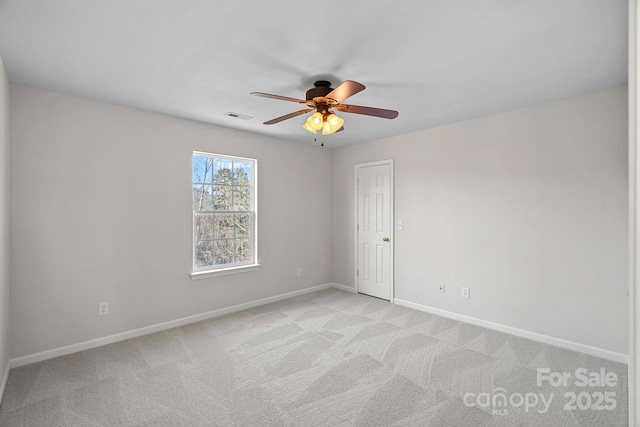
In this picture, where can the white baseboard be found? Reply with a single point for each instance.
(73, 348)
(558, 342)
(98, 342)
(344, 288)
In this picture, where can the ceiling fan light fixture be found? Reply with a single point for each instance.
(315, 121)
(309, 128)
(331, 124)
(335, 122)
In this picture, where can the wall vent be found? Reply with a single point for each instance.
(238, 115)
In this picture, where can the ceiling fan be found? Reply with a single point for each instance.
(324, 99)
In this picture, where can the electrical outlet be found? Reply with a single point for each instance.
(299, 272)
(441, 288)
(103, 308)
(465, 292)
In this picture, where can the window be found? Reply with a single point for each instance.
(224, 214)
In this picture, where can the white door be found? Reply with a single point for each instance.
(374, 229)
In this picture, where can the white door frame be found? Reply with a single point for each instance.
(634, 216)
(391, 228)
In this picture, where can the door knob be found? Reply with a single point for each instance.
(386, 239)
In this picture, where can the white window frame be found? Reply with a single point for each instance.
(223, 269)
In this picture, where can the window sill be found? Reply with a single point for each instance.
(223, 271)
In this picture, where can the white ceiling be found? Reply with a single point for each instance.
(435, 61)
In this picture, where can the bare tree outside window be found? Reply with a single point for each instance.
(223, 210)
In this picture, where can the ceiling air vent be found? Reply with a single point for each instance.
(238, 116)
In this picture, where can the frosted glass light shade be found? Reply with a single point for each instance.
(309, 128)
(332, 124)
(335, 122)
(315, 121)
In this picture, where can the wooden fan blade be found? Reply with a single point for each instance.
(288, 116)
(367, 111)
(280, 97)
(345, 90)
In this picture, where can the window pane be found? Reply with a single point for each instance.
(224, 226)
(243, 225)
(204, 253)
(223, 221)
(241, 198)
(224, 251)
(204, 227)
(222, 198)
(243, 250)
(222, 171)
(242, 172)
(202, 197)
(202, 169)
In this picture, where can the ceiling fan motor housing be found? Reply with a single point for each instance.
(322, 88)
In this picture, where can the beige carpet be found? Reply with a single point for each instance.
(324, 359)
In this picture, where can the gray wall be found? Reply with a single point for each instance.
(101, 211)
(4, 219)
(527, 208)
